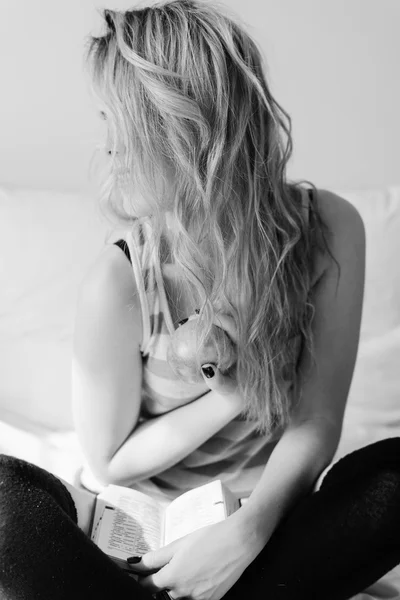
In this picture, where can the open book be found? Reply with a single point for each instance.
(127, 522)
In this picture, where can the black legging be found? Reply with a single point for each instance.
(334, 543)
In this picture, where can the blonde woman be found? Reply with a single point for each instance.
(197, 176)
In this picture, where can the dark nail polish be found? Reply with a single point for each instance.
(132, 560)
(197, 311)
(208, 372)
(183, 321)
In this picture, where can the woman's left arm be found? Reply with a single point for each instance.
(309, 443)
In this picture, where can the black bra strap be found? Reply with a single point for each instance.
(124, 246)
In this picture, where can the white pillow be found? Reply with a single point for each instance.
(47, 243)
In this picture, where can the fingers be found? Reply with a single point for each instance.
(211, 375)
(156, 582)
(151, 561)
(215, 380)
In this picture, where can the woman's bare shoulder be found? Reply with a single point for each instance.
(110, 279)
(344, 225)
(334, 208)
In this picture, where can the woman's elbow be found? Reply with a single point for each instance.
(108, 472)
(104, 473)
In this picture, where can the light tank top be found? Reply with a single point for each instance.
(236, 454)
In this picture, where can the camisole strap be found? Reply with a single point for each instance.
(306, 201)
(310, 202)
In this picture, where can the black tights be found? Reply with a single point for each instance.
(339, 539)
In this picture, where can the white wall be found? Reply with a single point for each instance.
(333, 65)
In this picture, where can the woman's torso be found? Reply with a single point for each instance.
(237, 454)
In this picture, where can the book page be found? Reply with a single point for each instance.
(192, 510)
(127, 522)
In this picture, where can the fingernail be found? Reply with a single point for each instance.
(183, 321)
(208, 371)
(132, 560)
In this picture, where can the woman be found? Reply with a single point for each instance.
(197, 170)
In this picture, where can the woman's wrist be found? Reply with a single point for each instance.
(233, 400)
(246, 533)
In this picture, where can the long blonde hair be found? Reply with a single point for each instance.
(185, 92)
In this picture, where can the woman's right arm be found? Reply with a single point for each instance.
(107, 382)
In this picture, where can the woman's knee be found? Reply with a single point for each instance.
(12, 473)
(7, 461)
(381, 458)
(23, 482)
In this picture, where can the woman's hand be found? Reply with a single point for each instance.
(202, 565)
(215, 380)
